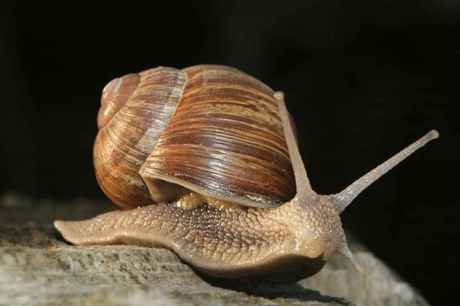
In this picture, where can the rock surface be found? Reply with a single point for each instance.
(38, 268)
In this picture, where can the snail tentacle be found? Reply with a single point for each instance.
(345, 197)
(300, 173)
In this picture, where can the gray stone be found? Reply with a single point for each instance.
(38, 268)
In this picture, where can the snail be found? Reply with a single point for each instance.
(204, 161)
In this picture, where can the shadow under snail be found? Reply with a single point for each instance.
(204, 161)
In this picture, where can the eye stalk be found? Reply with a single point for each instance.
(300, 173)
(345, 197)
(342, 199)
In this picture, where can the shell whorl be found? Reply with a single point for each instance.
(140, 106)
(211, 129)
(114, 96)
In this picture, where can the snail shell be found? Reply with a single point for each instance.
(210, 129)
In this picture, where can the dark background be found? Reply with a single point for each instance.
(362, 79)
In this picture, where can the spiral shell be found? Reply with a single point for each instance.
(213, 130)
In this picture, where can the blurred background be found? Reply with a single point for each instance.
(362, 79)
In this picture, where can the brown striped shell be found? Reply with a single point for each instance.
(210, 129)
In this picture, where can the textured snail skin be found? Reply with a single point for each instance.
(215, 227)
(232, 242)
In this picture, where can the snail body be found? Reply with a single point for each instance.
(204, 161)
